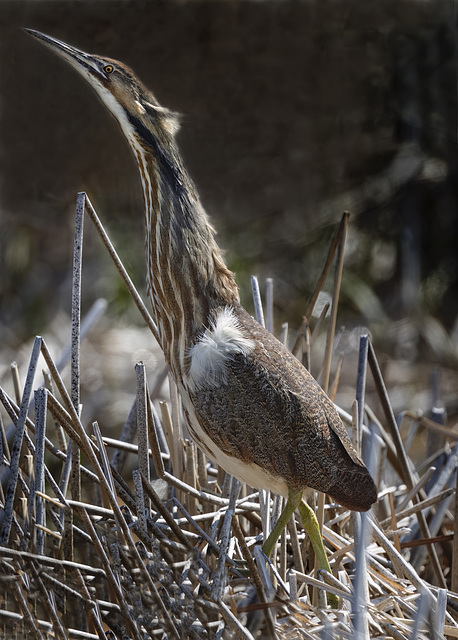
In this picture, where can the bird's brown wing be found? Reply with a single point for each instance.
(271, 412)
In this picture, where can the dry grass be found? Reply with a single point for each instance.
(172, 550)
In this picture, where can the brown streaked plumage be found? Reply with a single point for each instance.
(290, 420)
(250, 405)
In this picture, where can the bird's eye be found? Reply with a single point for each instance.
(108, 68)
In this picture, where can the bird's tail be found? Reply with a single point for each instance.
(360, 499)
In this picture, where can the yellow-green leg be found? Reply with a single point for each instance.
(310, 525)
(294, 498)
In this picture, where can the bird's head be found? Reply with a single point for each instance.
(132, 104)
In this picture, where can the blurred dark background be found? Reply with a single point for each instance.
(292, 113)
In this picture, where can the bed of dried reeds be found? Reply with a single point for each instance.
(172, 549)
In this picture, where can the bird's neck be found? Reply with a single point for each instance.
(187, 276)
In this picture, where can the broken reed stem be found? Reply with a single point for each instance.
(270, 305)
(16, 382)
(177, 431)
(342, 231)
(354, 428)
(431, 425)
(361, 527)
(153, 439)
(168, 431)
(319, 322)
(60, 434)
(56, 563)
(17, 444)
(306, 348)
(258, 310)
(190, 473)
(321, 280)
(219, 581)
(335, 384)
(75, 476)
(121, 269)
(4, 448)
(39, 463)
(361, 383)
(142, 426)
(103, 457)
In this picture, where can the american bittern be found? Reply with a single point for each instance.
(250, 404)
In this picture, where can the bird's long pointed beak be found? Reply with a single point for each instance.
(81, 61)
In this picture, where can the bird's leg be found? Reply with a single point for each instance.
(294, 498)
(310, 523)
